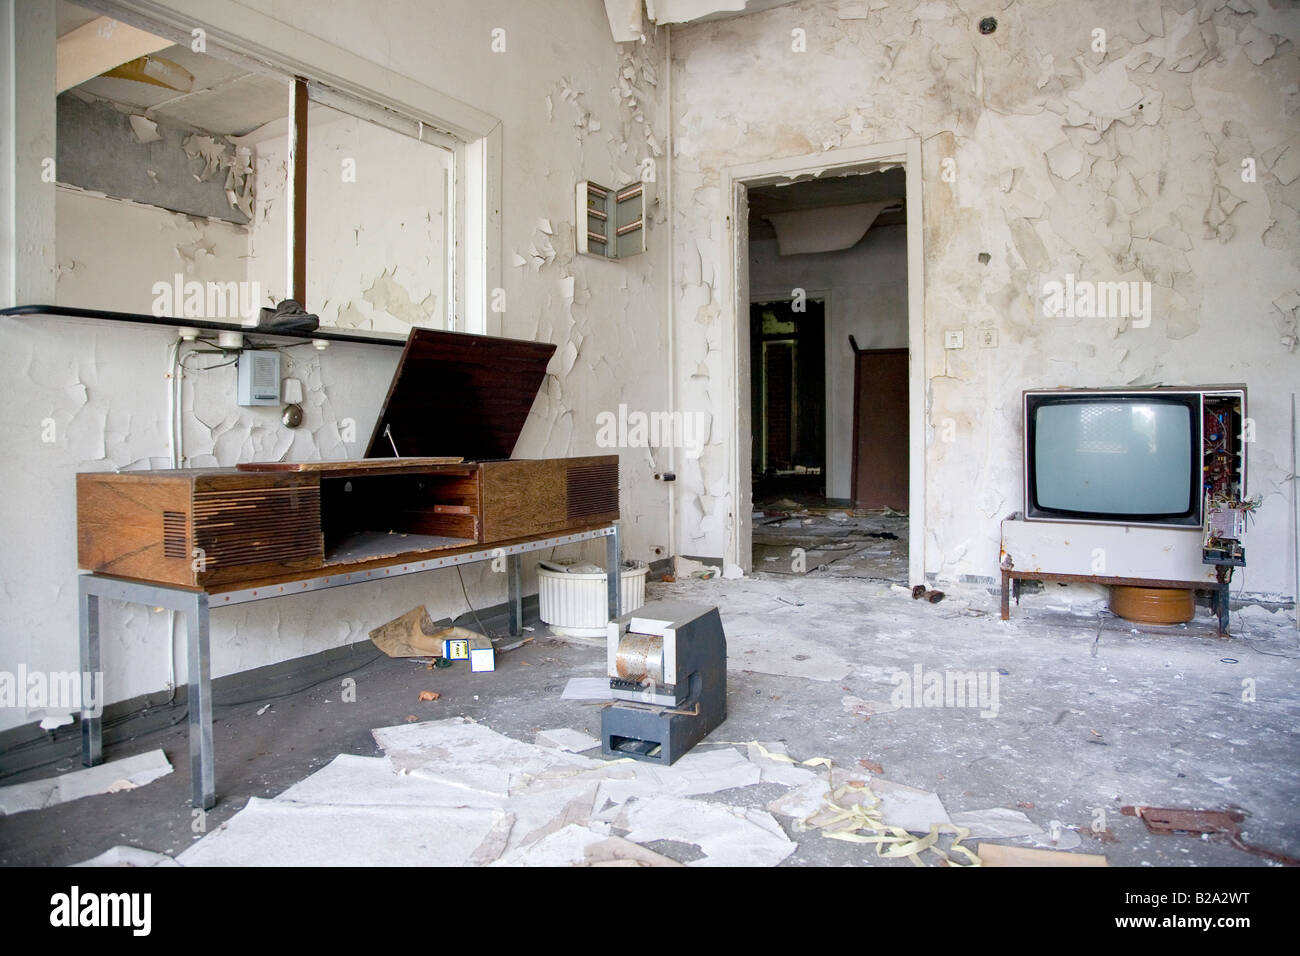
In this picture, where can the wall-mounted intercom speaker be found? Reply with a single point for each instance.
(259, 377)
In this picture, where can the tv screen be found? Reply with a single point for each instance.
(1116, 458)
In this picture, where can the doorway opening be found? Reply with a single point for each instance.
(830, 374)
(787, 352)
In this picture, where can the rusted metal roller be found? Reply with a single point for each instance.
(641, 658)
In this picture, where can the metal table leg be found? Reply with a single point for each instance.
(515, 593)
(614, 573)
(194, 606)
(92, 742)
(202, 772)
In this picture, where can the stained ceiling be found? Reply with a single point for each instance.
(225, 99)
(823, 192)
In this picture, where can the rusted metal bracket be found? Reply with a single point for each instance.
(1167, 820)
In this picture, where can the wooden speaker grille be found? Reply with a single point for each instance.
(593, 490)
(251, 526)
(174, 534)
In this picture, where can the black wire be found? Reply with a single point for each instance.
(328, 677)
(482, 630)
(184, 713)
(206, 368)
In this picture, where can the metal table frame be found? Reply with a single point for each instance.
(195, 605)
(1011, 579)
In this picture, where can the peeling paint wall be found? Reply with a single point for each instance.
(111, 252)
(866, 286)
(1125, 164)
(573, 106)
(375, 231)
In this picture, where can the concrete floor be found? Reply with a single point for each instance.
(836, 541)
(1091, 714)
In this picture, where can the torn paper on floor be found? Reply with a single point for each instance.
(696, 772)
(125, 774)
(564, 738)
(996, 823)
(465, 754)
(129, 856)
(727, 836)
(272, 833)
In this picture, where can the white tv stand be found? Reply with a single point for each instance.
(1133, 555)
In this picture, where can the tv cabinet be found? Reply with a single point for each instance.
(1134, 555)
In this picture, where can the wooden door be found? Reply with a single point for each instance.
(880, 429)
(780, 409)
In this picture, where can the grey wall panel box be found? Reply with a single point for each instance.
(259, 377)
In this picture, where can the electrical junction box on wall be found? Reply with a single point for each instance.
(259, 377)
(610, 222)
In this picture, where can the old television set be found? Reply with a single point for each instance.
(1147, 456)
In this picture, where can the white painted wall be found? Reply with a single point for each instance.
(375, 230)
(112, 252)
(1122, 165)
(865, 287)
(568, 111)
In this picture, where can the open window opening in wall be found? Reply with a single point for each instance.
(175, 189)
(828, 353)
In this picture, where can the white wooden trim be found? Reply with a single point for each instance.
(906, 153)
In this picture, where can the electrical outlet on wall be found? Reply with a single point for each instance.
(988, 338)
(954, 339)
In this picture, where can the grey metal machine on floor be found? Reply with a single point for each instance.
(667, 665)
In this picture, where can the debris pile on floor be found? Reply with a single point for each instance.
(454, 792)
(834, 541)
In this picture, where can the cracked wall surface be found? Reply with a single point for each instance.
(573, 106)
(1123, 164)
(376, 228)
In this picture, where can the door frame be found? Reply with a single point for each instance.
(842, 161)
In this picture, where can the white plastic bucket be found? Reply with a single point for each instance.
(577, 604)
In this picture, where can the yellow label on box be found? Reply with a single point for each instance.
(457, 650)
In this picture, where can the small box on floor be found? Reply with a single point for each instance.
(477, 650)
(482, 659)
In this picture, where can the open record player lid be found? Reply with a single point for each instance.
(459, 394)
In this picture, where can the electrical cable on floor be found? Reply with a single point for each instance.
(225, 705)
(75, 733)
(481, 629)
(75, 730)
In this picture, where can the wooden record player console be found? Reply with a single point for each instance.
(217, 528)
(191, 539)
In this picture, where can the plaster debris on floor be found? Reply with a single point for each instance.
(113, 777)
(860, 775)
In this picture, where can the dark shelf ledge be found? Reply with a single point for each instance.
(325, 333)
